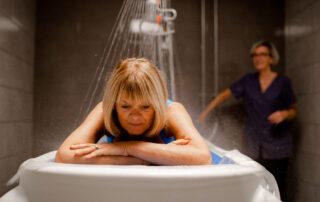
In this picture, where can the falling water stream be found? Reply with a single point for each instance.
(143, 28)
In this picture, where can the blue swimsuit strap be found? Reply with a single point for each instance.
(164, 138)
(110, 138)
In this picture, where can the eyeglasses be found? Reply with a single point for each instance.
(259, 55)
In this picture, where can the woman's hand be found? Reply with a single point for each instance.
(89, 150)
(83, 149)
(278, 116)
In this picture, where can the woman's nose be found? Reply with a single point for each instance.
(135, 117)
(135, 112)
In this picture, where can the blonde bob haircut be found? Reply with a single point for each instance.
(274, 54)
(137, 79)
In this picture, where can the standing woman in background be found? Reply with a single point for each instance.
(269, 104)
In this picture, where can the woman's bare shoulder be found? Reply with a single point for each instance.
(175, 105)
(95, 117)
(98, 108)
(176, 111)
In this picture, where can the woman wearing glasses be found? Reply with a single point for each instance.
(269, 103)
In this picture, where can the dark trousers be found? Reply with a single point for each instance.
(278, 168)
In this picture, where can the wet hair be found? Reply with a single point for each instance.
(137, 79)
(272, 50)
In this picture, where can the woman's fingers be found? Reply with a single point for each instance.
(100, 150)
(81, 146)
(90, 150)
(87, 150)
(95, 153)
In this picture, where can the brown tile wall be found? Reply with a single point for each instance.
(303, 67)
(17, 37)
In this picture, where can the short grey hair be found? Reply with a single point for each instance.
(272, 49)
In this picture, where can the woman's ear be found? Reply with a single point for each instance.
(271, 60)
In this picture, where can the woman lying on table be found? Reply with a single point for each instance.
(142, 126)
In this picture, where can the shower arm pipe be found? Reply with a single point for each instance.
(171, 69)
(203, 53)
(216, 47)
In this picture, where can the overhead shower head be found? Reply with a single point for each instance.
(152, 2)
(150, 28)
(160, 22)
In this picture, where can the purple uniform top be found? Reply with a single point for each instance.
(263, 138)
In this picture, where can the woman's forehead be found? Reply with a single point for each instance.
(261, 49)
(131, 99)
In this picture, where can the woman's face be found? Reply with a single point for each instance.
(261, 58)
(136, 117)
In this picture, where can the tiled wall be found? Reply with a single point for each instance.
(71, 36)
(17, 25)
(303, 67)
